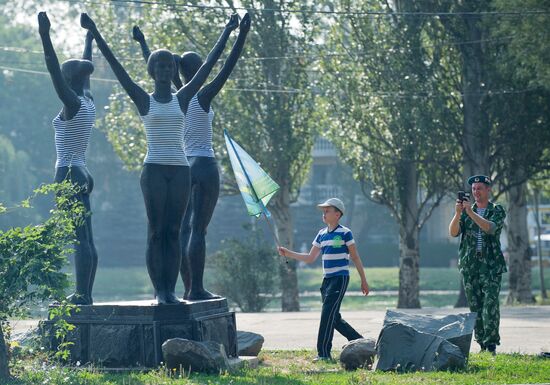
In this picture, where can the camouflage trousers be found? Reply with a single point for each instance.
(482, 291)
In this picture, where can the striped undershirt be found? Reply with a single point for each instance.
(479, 243)
(72, 136)
(197, 136)
(164, 125)
(334, 250)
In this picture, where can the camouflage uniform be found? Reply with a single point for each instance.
(482, 272)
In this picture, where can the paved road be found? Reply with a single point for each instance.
(524, 329)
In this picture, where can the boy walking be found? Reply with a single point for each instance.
(336, 245)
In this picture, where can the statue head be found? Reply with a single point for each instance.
(76, 72)
(161, 65)
(189, 65)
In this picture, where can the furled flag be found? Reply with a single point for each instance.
(256, 186)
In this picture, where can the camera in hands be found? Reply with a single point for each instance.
(463, 196)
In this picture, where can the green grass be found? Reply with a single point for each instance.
(296, 368)
(132, 283)
(387, 278)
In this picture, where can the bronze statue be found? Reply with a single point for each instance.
(73, 127)
(205, 178)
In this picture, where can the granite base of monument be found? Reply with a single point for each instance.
(130, 334)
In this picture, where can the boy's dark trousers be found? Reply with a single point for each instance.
(332, 293)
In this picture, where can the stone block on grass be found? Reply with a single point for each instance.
(248, 343)
(358, 353)
(194, 356)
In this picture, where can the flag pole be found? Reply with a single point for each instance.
(264, 209)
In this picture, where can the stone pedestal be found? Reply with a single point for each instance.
(130, 334)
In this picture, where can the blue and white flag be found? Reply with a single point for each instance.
(256, 186)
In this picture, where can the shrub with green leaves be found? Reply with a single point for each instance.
(32, 257)
(246, 271)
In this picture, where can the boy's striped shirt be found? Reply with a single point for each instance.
(334, 250)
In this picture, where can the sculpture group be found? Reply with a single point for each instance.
(179, 179)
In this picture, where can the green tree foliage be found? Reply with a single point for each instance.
(521, 118)
(277, 127)
(521, 113)
(245, 272)
(527, 37)
(31, 259)
(394, 118)
(27, 100)
(14, 172)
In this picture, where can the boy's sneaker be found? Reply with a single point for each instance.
(322, 359)
(492, 348)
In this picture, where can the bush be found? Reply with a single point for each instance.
(32, 258)
(246, 271)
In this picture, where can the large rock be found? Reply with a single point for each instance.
(455, 328)
(208, 356)
(248, 343)
(358, 353)
(404, 349)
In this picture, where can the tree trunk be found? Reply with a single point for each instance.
(287, 271)
(409, 279)
(4, 365)
(475, 136)
(518, 247)
(543, 294)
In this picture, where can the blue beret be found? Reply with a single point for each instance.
(479, 179)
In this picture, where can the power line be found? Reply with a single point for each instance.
(406, 95)
(104, 65)
(382, 94)
(47, 73)
(266, 90)
(521, 13)
(302, 56)
(369, 54)
(19, 49)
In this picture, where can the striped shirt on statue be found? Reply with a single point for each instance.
(197, 137)
(164, 125)
(72, 136)
(334, 250)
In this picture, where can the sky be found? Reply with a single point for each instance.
(66, 33)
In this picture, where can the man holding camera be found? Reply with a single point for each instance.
(481, 262)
